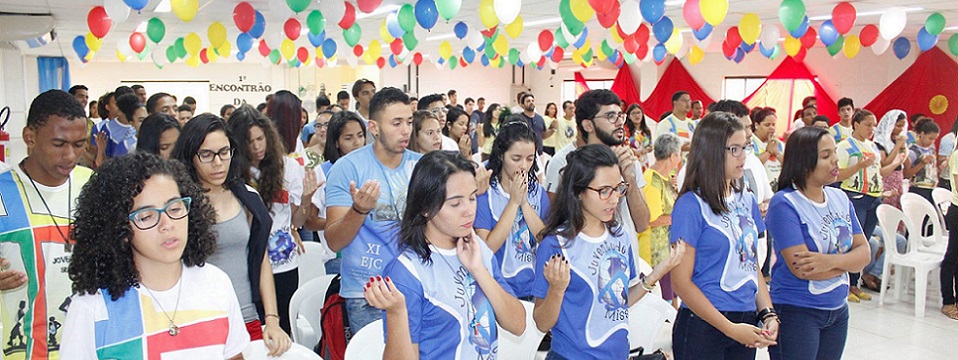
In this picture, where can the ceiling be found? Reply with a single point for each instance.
(71, 15)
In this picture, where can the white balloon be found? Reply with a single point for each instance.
(629, 17)
(333, 61)
(567, 35)
(684, 50)
(552, 64)
(526, 59)
(116, 10)
(770, 34)
(158, 58)
(333, 11)
(474, 39)
(704, 43)
(124, 46)
(507, 10)
(274, 35)
(279, 10)
(880, 45)
(892, 22)
(534, 51)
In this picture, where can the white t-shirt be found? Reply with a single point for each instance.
(797, 124)
(136, 327)
(448, 144)
(281, 247)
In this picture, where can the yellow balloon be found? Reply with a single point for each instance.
(487, 13)
(577, 57)
(384, 33)
(287, 49)
(119, 55)
(193, 61)
(211, 55)
(445, 50)
(309, 60)
(615, 37)
(581, 10)
(696, 54)
(192, 43)
(89, 55)
(224, 50)
(217, 34)
(185, 9)
(515, 29)
(92, 42)
(375, 49)
(713, 11)
(674, 43)
(501, 45)
(852, 46)
(792, 45)
(368, 59)
(600, 55)
(750, 27)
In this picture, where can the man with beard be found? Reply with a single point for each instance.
(535, 121)
(678, 122)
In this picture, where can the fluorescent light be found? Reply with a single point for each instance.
(441, 37)
(141, 28)
(163, 7)
(863, 13)
(379, 11)
(675, 3)
(545, 21)
(951, 28)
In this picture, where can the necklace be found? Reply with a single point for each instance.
(173, 329)
(45, 205)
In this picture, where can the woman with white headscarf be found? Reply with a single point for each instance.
(891, 139)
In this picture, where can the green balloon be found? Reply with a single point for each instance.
(513, 56)
(836, 47)
(953, 44)
(448, 8)
(143, 54)
(453, 62)
(407, 18)
(155, 30)
(606, 49)
(502, 63)
(489, 50)
(352, 35)
(629, 58)
(776, 52)
(935, 24)
(568, 18)
(180, 49)
(588, 55)
(298, 5)
(409, 40)
(171, 54)
(274, 56)
(560, 39)
(316, 22)
(791, 13)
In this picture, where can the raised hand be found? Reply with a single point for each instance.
(382, 294)
(482, 179)
(470, 253)
(310, 184)
(626, 162)
(556, 272)
(365, 198)
(519, 188)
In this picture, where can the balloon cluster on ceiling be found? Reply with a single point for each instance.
(631, 30)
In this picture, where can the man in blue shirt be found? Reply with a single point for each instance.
(366, 198)
(536, 122)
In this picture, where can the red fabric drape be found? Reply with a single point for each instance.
(625, 86)
(675, 79)
(790, 69)
(929, 86)
(580, 85)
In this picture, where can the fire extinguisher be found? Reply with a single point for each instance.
(4, 136)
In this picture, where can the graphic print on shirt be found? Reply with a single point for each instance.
(520, 244)
(741, 265)
(835, 237)
(480, 316)
(392, 198)
(605, 267)
(281, 246)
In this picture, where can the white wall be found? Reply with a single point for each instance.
(473, 81)
(19, 84)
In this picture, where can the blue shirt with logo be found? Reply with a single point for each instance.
(121, 137)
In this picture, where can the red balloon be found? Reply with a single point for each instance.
(733, 38)
(642, 51)
(302, 54)
(800, 57)
(98, 21)
(292, 27)
(137, 42)
(642, 34)
(557, 54)
(542, 61)
(417, 59)
(728, 50)
(630, 44)
(843, 17)
(380, 62)
(358, 50)
(203, 57)
(489, 32)
(368, 6)
(603, 6)
(349, 17)
(244, 16)
(609, 18)
(810, 37)
(320, 62)
(396, 46)
(463, 63)
(545, 40)
(263, 48)
(869, 35)
(618, 29)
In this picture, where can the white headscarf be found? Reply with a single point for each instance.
(885, 127)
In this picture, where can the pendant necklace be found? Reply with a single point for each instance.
(173, 329)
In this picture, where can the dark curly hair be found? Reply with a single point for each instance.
(272, 174)
(102, 255)
(53, 103)
(511, 133)
(128, 104)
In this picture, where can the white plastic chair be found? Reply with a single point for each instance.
(256, 350)
(312, 264)
(889, 217)
(307, 301)
(942, 199)
(522, 347)
(917, 209)
(368, 343)
(646, 319)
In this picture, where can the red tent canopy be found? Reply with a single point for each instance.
(786, 87)
(675, 79)
(929, 86)
(625, 87)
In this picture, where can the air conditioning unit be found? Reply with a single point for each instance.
(26, 31)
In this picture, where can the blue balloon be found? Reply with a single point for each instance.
(652, 10)
(766, 52)
(663, 29)
(614, 57)
(441, 61)
(484, 60)
(469, 55)
(482, 47)
(902, 47)
(426, 13)
(739, 55)
(395, 30)
(519, 63)
(244, 42)
(702, 33)
(461, 29)
(79, 45)
(316, 40)
(926, 41)
(548, 54)
(802, 29)
(827, 33)
(746, 47)
(259, 26)
(241, 56)
(136, 4)
(329, 48)
(582, 38)
(392, 61)
(658, 52)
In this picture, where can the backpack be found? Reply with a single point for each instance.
(335, 324)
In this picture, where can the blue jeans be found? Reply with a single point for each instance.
(361, 314)
(695, 339)
(866, 211)
(807, 333)
(875, 267)
(333, 266)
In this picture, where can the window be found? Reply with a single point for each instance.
(569, 88)
(737, 88)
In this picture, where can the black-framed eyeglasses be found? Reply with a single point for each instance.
(606, 192)
(738, 150)
(439, 111)
(614, 117)
(320, 125)
(206, 156)
(145, 219)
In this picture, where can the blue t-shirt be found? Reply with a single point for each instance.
(122, 137)
(308, 130)
(517, 256)
(449, 314)
(828, 228)
(593, 321)
(375, 243)
(726, 259)
(326, 166)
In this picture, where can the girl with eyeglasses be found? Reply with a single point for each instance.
(723, 292)
(140, 273)
(586, 278)
(241, 223)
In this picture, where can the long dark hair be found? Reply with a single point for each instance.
(335, 129)
(566, 217)
(759, 114)
(153, 127)
(509, 134)
(705, 172)
(488, 130)
(451, 117)
(128, 103)
(555, 113)
(629, 123)
(192, 137)
(271, 168)
(286, 111)
(426, 194)
(801, 158)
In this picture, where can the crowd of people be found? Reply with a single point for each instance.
(157, 230)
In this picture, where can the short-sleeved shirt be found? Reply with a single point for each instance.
(726, 260)
(517, 256)
(839, 132)
(826, 228)
(281, 247)
(538, 125)
(927, 176)
(375, 244)
(660, 196)
(593, 319)
(565, 133)
(136, 327)
(681, 128)
(122, 137)
(773, 167)
(449, 314)
(755, 179)
(868, 180)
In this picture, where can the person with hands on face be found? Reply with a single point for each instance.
(457, 129)
(818, 240)
(509, 216)
(443, 297)
(586, 274)
(765, 144)
(891, 140)
(719, 278)
(922, 167)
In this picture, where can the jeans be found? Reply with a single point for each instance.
(333, 266)
(949, 264)
(865, 211)
(695, 339)
(877, 241)
(807, 333)
(361, 314)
